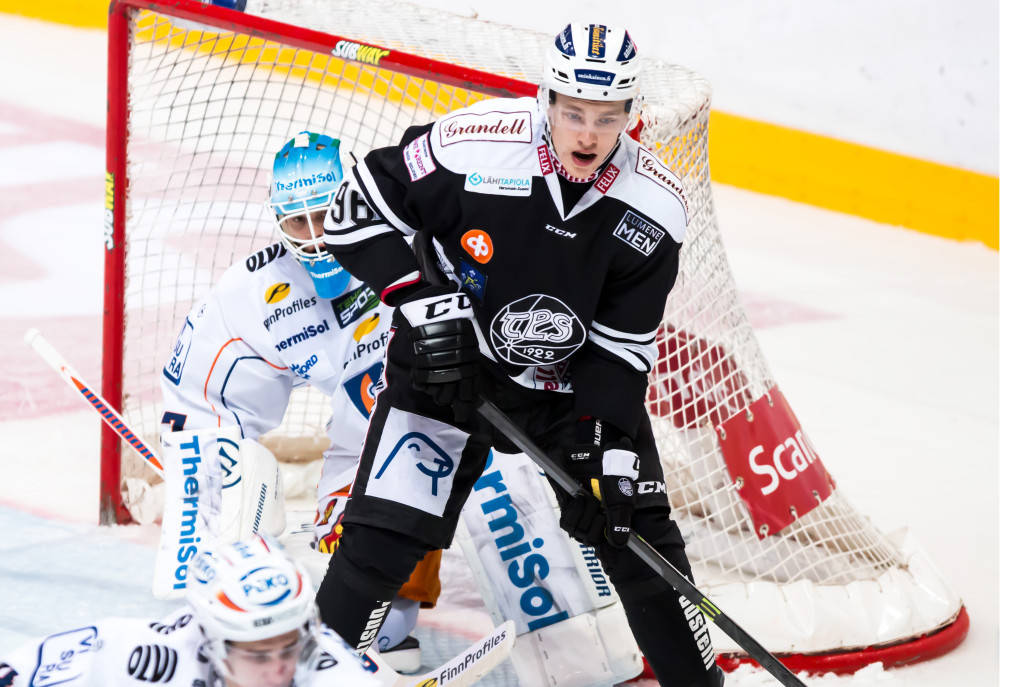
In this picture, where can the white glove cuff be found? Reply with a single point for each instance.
(451, 306)
(617, 461)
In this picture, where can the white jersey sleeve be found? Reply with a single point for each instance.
(113, 652)
(128, 652)
(220, 373)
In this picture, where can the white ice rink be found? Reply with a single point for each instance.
(884, 340)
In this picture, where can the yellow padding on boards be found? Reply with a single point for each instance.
(847, 177)
(305, 65)
(87, 14)
(818, 170)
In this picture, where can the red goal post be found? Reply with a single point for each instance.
(200, 97)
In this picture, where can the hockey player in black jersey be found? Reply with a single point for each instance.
(555, 237)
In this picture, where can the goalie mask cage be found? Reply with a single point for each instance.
(200, 98)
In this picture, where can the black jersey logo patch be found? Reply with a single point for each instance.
(638, 232)
(536, 330)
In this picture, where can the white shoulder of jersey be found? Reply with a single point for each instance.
(255, 291)
(261, 272)
(645, 182)
(495, 134)
(113, 652)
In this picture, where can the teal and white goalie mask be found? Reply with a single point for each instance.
(305, 175)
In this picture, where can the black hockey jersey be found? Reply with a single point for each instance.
(563, 302)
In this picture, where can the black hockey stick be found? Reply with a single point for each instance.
(645, 551)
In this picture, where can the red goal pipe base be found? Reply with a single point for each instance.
(919, 649)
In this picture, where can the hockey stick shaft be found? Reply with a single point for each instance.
(645, 551)
(109, 415)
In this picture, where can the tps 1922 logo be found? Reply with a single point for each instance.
(536, 330)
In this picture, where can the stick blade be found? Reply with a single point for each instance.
(473, 663)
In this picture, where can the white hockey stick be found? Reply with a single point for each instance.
(111, 416)
(464, 669)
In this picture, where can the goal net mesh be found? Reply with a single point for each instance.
(207, 109)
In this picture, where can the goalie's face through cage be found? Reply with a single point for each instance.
(305, 175)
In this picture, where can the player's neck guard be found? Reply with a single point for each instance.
(330, 278)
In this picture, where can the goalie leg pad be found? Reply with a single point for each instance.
(593, 649)
(193, 479)
(572, 631)
(252, 491)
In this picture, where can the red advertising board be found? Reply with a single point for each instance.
(777, 472)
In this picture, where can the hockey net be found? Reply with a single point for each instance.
(200, 98)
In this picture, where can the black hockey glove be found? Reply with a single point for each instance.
(439, 323)
(608, 468)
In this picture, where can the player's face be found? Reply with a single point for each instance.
(585, 131)
(298, 227)
(264, 663)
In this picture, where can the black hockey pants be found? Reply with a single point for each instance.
(417, 469)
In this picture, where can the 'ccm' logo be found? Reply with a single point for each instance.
(427, 310)
(560, 232)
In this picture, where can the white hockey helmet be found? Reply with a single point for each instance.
(593, 62)
(248, 591)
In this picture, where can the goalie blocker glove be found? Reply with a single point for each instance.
(443, 340)
(603, 461)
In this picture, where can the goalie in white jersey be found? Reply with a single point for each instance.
(251, 621)
(287, 315)
(290, 315)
